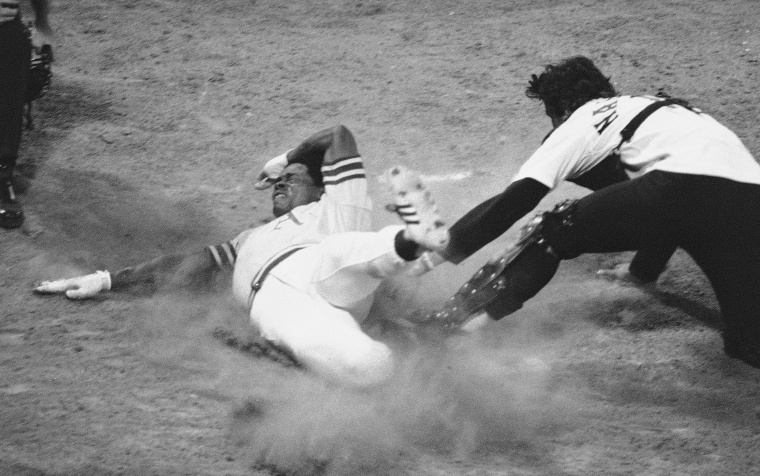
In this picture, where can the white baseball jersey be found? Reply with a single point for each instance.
(345, 206)
(672, 139)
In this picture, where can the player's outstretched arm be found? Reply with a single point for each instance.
(172, 271)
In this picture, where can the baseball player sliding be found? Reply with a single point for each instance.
(308, 277)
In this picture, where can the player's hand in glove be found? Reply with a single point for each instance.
(81, 287)
(271, 171)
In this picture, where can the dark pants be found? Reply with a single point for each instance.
(715, 220)
(15, 56)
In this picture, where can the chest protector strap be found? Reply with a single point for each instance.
(630, 129)
(611, 170)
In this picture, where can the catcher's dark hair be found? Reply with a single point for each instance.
(565, 86)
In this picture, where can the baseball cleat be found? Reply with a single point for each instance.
(11, 214)
(414, 204)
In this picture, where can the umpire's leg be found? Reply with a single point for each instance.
(15, 56)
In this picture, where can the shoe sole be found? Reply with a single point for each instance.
(10, 224)
(416, 207)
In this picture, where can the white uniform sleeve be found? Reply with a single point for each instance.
(346, 204)
(566, 153)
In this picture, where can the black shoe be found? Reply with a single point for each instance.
(11, 214)
(743, 348)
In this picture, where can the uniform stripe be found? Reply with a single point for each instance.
(223, 254)
(215, 255)
(341, 165)
(342, 170)
(408, 213)
(230, 252)
(344, 177)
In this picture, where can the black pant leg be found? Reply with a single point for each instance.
(15, 57)
(627, 216)
(721, 231)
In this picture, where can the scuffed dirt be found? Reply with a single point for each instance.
(161, 113)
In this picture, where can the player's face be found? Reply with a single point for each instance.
(294, 188)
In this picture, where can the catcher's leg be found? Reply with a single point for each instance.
(502, 286)
(526, 276)
(637, 214)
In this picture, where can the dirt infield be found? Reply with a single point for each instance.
(161, 113)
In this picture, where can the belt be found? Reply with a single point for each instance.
(258, 280)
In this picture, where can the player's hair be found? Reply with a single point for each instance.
(565, 86)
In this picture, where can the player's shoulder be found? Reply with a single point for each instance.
(242, 237)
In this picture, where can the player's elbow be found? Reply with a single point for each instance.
(343, 143)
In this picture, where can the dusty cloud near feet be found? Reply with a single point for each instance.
(455, 397)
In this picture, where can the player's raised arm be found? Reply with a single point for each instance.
(325, 147)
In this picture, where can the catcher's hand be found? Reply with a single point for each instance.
(271, 171)
(81, 287)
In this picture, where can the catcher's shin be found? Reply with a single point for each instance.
(505, 283)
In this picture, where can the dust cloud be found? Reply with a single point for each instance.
(454, 397)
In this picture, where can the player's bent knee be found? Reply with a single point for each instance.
(368, 365)
(374, 368)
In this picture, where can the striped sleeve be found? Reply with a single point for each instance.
(343, 170)
(224, 255)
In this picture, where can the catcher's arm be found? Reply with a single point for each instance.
(172, 271)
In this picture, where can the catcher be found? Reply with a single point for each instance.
(307, 278)
(665, 175)
(15, 63)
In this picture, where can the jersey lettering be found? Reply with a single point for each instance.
(602, 125)
(609, 109)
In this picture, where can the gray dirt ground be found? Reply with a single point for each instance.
(161, 113)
